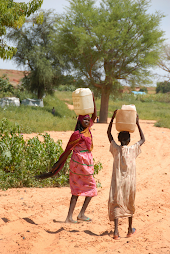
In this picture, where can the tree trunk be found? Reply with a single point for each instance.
(40, 95)
(104, 104)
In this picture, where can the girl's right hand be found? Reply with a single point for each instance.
(55, 166)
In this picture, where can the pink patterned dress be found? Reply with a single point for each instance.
(82, 182)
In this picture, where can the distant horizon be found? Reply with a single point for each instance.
(15, 81)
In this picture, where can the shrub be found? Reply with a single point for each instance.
(21, 160)
(5, 87)
(143, 89)
(163, 87)
(66, 87)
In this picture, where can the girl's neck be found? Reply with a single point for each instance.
(125, 144)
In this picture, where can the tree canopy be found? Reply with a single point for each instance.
(35, 51)
(13, 14)
(163, 87)
(119, 40)
(164, 62)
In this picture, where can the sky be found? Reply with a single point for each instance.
(59, 7)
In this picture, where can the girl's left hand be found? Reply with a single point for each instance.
(114, 114)
(137, 119)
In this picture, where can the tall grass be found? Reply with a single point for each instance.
(149, 107)
(37, 119)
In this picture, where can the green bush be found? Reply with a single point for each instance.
(21, 160)
(6, 89)
(163, 87)
(70, 88)
(143, 89)
(22, 93)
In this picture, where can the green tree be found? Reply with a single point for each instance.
(164, 62)
(163, 87)
(119, 40)
(13, 14)
(35, 50)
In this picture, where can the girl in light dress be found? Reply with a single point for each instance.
(123, 184)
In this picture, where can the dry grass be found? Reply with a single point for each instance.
(151, 90)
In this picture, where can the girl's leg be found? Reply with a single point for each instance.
(131, 230)
(130, 225)
(73, 202)
(116, 232)
(81, 215)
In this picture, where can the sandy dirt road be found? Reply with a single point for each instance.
(32, 220)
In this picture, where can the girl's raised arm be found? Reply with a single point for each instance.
(110, 137)
(94, 115)
(140, 131)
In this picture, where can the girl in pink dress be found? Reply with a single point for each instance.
(81, 178)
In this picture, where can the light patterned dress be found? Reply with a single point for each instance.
(123, 184)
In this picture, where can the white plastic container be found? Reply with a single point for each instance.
(83, 101)
(126, 118)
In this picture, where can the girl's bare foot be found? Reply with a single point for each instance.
(131, 232)
(70, 220)
(116, 235)
(83, 218)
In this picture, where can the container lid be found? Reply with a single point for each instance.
(82, 92)
(128, 107)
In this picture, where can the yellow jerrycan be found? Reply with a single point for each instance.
(83, 101)
(126, 118)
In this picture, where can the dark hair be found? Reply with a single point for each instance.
(124, 137)
(79, 126)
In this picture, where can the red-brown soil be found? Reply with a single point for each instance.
(13, 75)
(32, 220)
